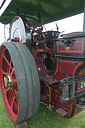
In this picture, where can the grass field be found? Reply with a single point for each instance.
(44, 119)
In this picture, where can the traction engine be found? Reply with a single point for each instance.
(37, 66)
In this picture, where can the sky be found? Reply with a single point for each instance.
(2, 39)
(68, 25)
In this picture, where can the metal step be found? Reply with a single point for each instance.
(62, 112)
(49, 80)
(80, 106)
(81, 103)
(22, 125)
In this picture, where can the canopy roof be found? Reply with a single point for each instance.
(40, 10)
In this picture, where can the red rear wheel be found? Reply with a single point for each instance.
(19, 84)
(9, 85)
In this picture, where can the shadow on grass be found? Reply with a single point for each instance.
(44, 119)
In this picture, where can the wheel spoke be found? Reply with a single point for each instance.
(7, 89)
(13, 100)
(5, 73)
(10, 67)
(34, 24)
(31, 24)
(12, 71)
(16, 99)
(14, 80)
(6, 60)
(16, 92)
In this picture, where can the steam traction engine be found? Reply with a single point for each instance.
(39, 66)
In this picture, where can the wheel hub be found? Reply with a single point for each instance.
(8, 81)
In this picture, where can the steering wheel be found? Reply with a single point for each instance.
(34, 26)
(49, 35)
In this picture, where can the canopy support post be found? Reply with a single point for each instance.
(84, 19)
(17, 11)
(39, 18)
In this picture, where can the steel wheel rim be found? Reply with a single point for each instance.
(9, 85)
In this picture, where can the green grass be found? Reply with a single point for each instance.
(44, 119)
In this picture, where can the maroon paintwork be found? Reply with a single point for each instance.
(68, 66)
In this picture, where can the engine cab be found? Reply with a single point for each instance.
(60, 64)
